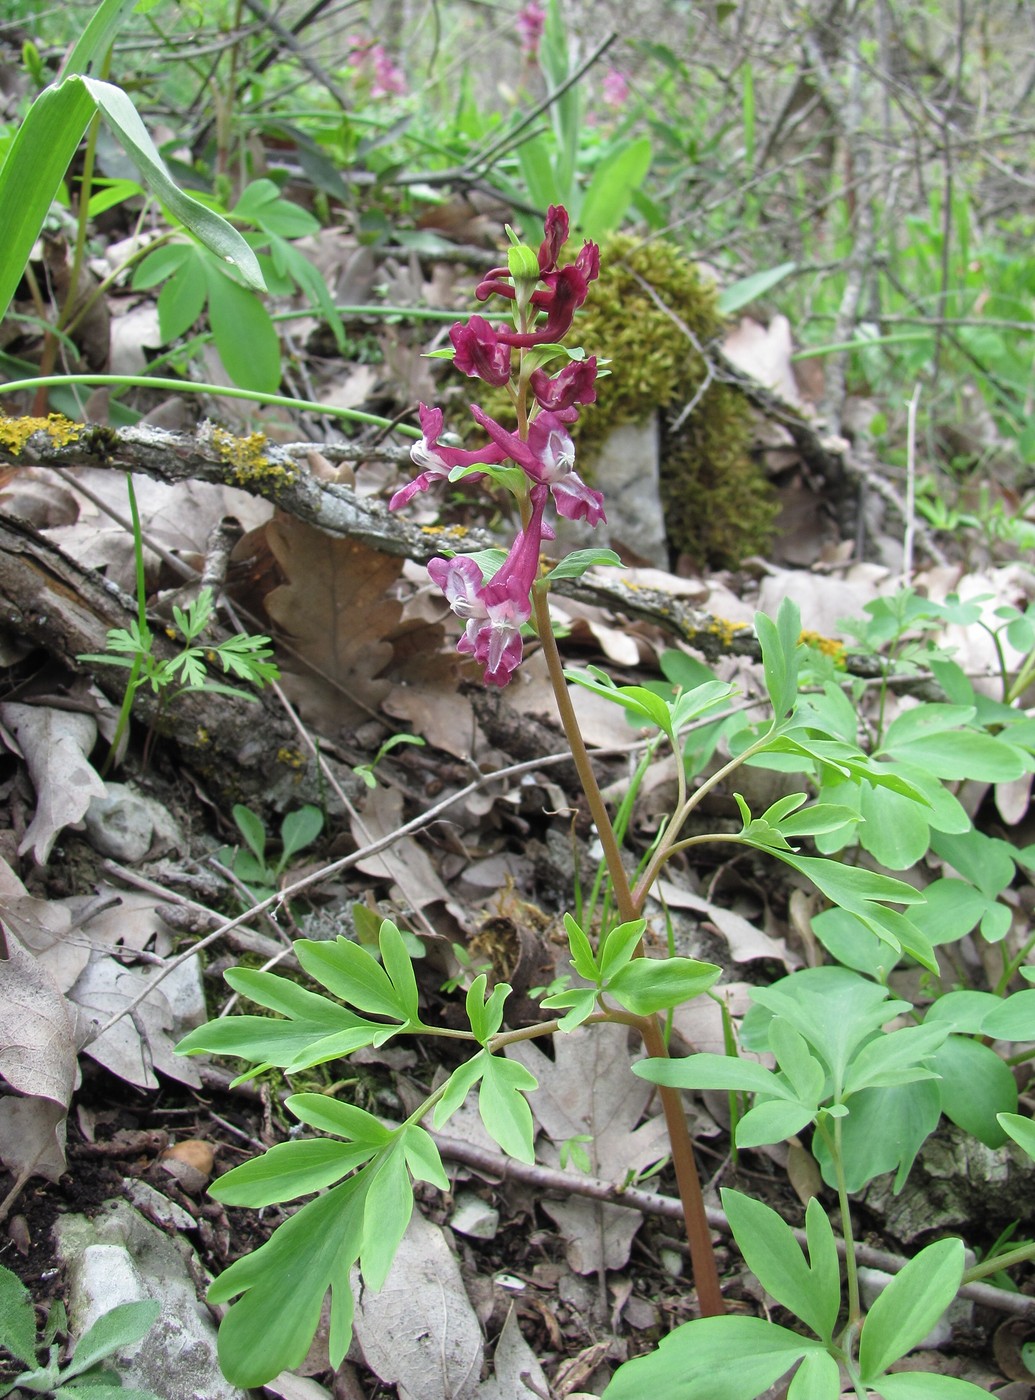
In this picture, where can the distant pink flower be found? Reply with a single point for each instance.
(374, 66)
(388, 76)
(530, 22)
(616, 88)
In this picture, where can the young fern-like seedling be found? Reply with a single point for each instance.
(243, 656)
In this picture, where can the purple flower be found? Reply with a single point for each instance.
(479, 352)
(616, 88)
(437, 462)
(530, 22)
(388, 76)
(575, 384)
(374, 66)
(556, 235)
(560, 303)
(548, 457)
(495, 611)
(566, 287)
(588, 261)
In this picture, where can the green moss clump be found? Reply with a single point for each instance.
(718, 505)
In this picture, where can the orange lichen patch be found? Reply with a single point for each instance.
(247, 457)
(724, 629)
(16, 432)
(827, 645)
(291, 758)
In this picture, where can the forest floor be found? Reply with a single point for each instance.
(97, 904)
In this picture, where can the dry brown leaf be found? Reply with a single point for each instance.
(179, 516)
(698, 1023)
(803, 1172)
(40, 926)
(765, 353)
(54, 744)
(589, 1088)
(38, 1059)
(336, 610)
(601, 721)
(513, 1363)
(426, 695)
(420, 1331)
(32, 1137)
(36, 495)
(744, 940)
(138, 1044)
(404, 862)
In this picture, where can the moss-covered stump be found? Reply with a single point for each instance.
(718, 505)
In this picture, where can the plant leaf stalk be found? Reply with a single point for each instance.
(702, 1253)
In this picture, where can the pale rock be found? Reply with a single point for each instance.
(474, 1217)
(119, 1257)
(120, 824)
(626, 468)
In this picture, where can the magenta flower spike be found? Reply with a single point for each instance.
(616, 88)
(548, 457)
(480, 354)
(437, 462)
(530, 23)
(495, 611)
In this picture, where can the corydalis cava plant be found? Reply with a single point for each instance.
(535, 460)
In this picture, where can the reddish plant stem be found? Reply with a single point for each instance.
(702, 1253)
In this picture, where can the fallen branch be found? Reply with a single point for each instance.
(500, 1168)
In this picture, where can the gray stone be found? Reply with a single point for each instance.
(626, 468)
(473, 1216)
(119, 1257)
(120, 824)
(956, 1184)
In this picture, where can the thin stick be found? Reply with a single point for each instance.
(909, 537)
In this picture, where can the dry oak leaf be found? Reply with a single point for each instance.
(589, 1088)
(41, 926)
(420, 1331)
(39, 1060)
(425, 692)
(336, 609)
(138, 1044)
(54, 744)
